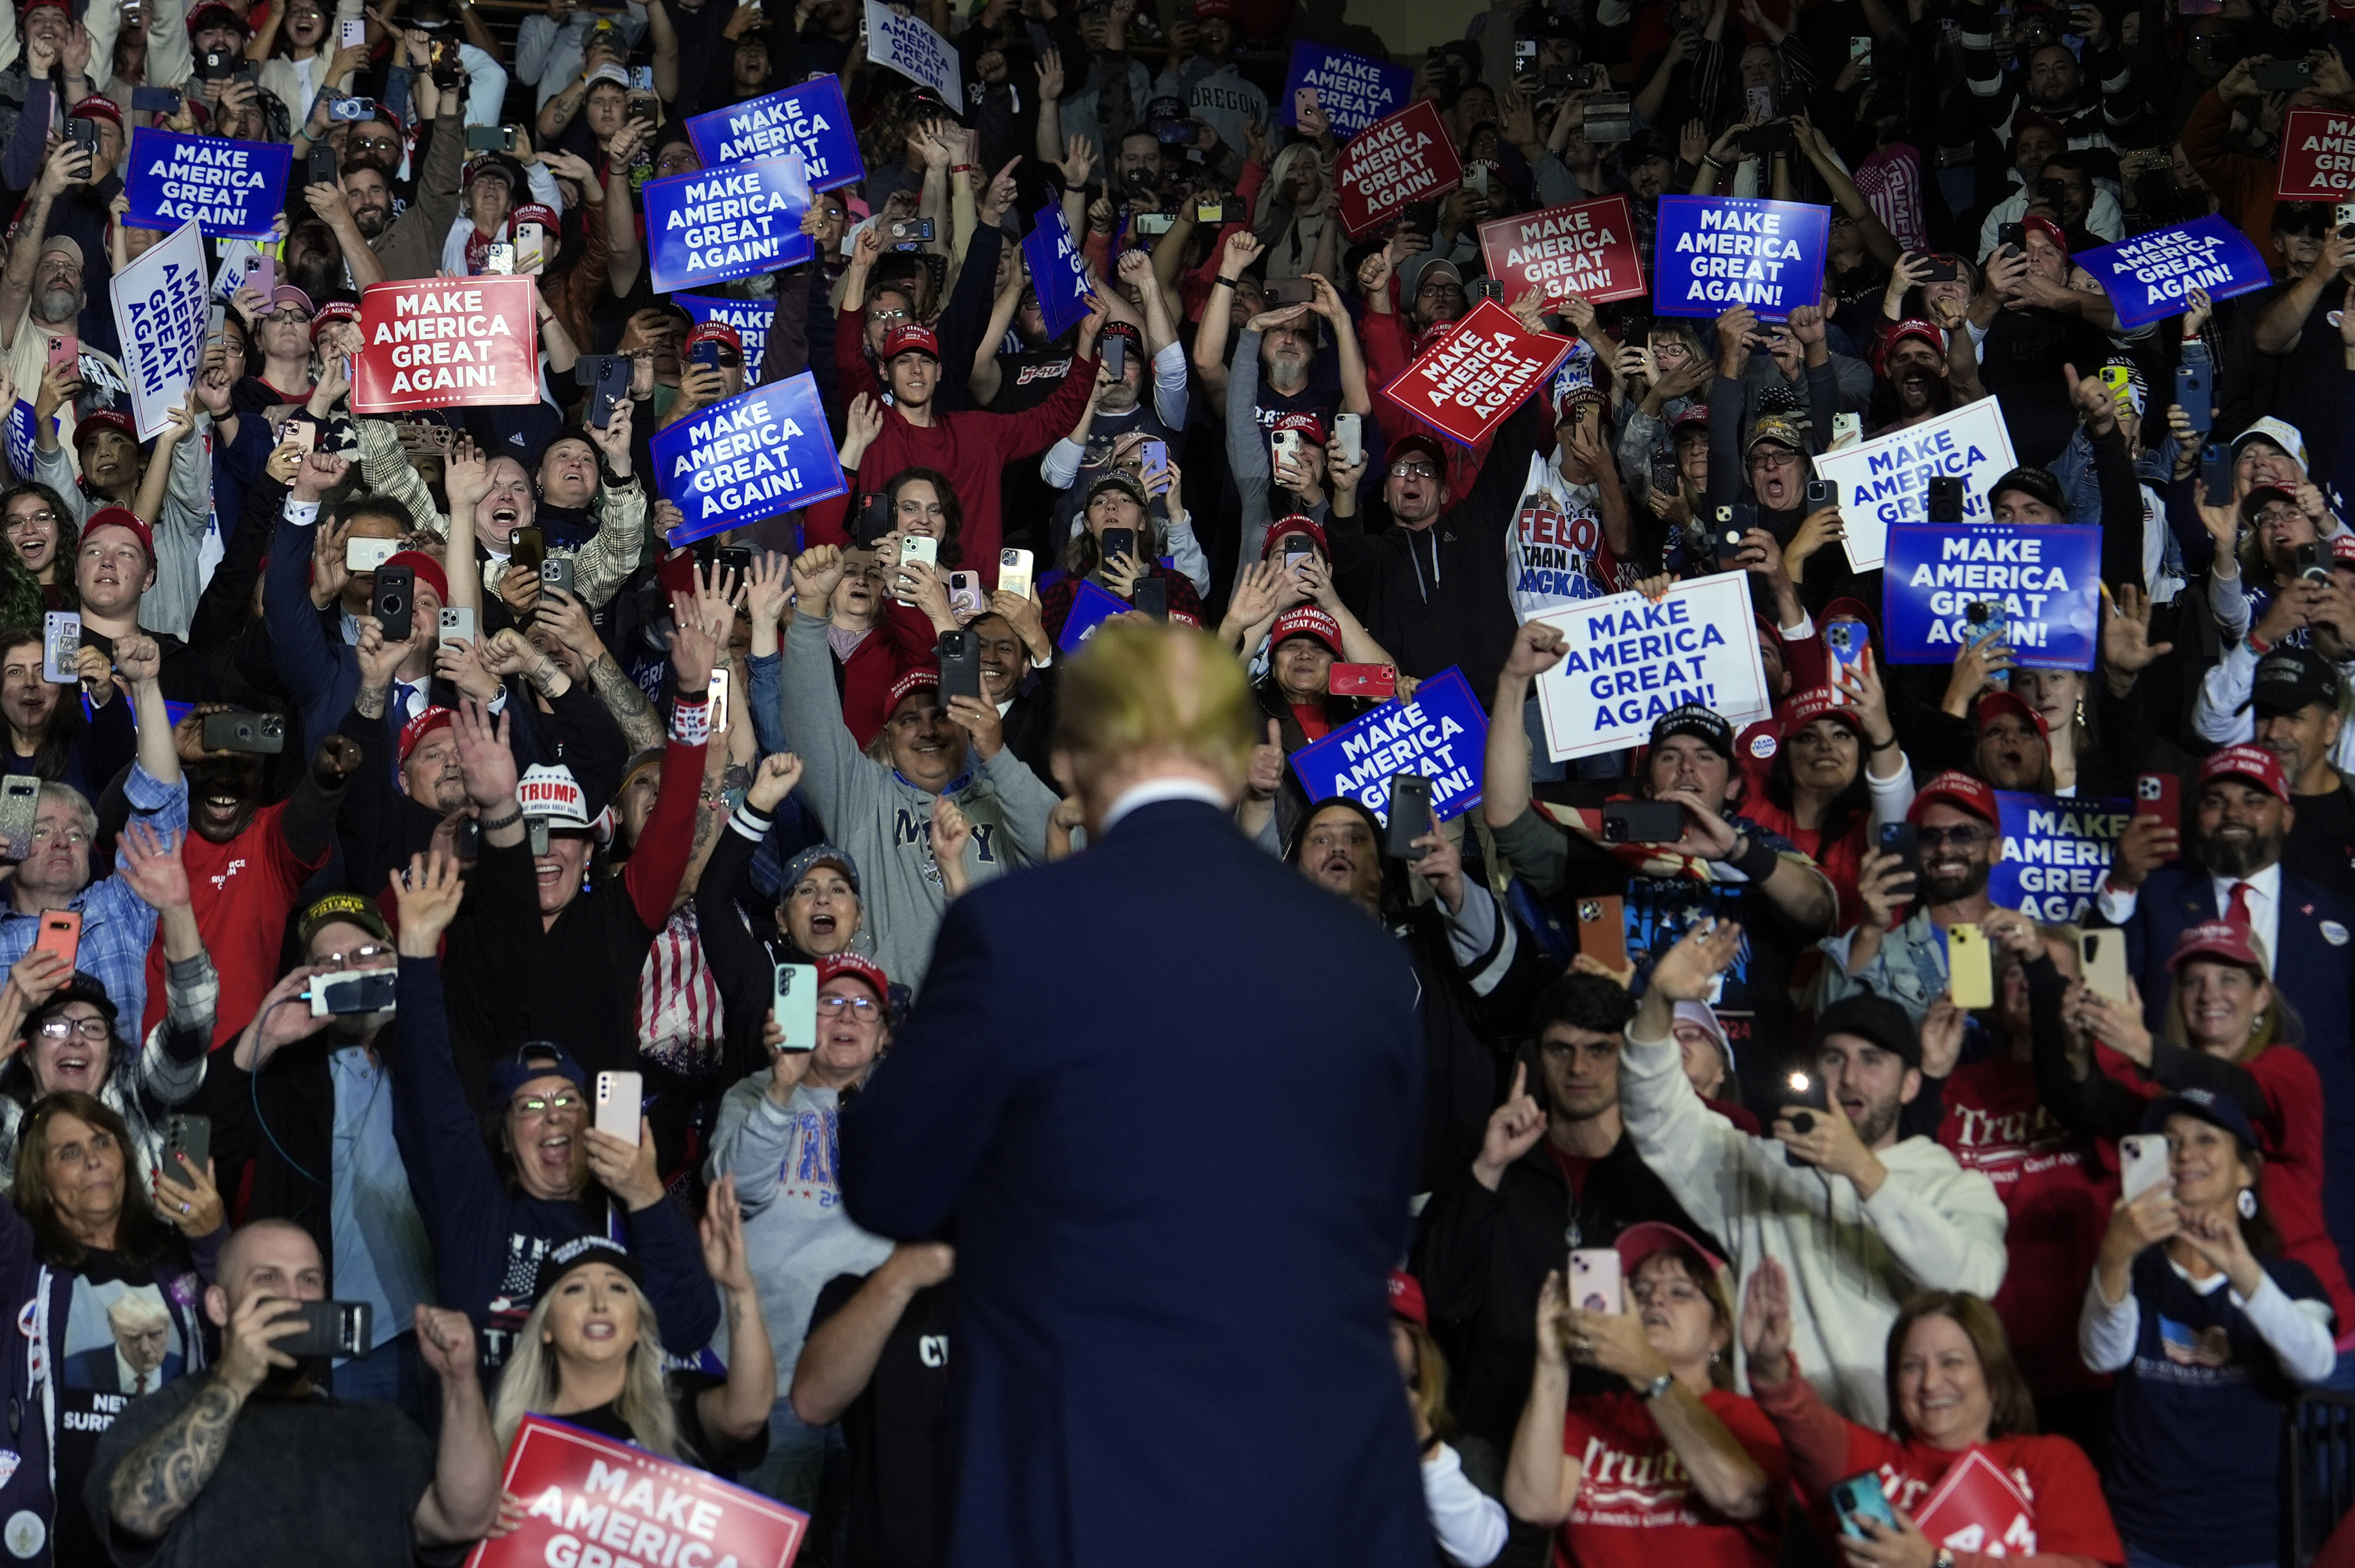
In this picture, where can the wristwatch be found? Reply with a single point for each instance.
(1666, 1381)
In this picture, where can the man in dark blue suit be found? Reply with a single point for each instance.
(1175, 1194)
(2234, 871)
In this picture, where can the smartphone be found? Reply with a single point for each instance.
(1153, 223)
(2194, 396)
(1643, 822)
(331, 1329)
(1410, 816)
(246, 730)
(960, 660)
(1152, 598)
(20, 793)
(1210, 209)
(490, 139)
(352, 991)
(1362, 681)
(918, 547)
(1283, 445)
(60, 646)
(1014, 572)
(1943, 270)
(1761, 102)
(1970, 976)
(1152, 459)
(2101, 954)
(457, 626)
(499, 259)
(2160, 795)
(2013, 235)
(1847, 429)
(191, 1136)
(613, 390)
(1667, 479)
(321, 168)
(1291, 292)
(83, 133)
(352, 32)
(1945, 503)
(65, 349)
(1595, 1284)
(2283, 76)
(2143, 1163)
(155, 100)
(558, 572)
(717, 691)
(966, 598)
(1821, 492)
(262, 275)
(526, 549)
(1350, 429)
(619, 1098)
(1602, 931)
(1858, 1498)
(1734, 522)
(795, 1004)
(1119, 542)
(466, 839)
(60, 933)
(2216, 473)
(1861, 51)
(1844, 642)
(396, 588)
(530, 247)
(368, 555)
(1297, 547)
(1115, 356)
(1902, 840)
(1805, 1090)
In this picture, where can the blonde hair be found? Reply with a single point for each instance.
(533, 1381)
(1148, 688)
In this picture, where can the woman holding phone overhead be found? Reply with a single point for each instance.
(1962, 1453)
(1674, 1468)
(2209, 1332)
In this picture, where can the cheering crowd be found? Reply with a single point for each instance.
(449, 897)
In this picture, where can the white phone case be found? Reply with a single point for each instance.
(2142, 1163)
(1594, 1285)
(618, 1099)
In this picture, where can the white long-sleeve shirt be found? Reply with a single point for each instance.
(1469, 1523)
(2298, 1332)
(1931, 1225)
(2223, 715)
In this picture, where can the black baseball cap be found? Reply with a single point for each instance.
(2290, 679)
(1876, 1018)
(2028, 479)
(579, 1252)
(1705, 725)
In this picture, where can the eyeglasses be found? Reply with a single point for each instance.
(1413, 471)
(540, 1105)
(860, 1008)
(1961, 838)
(374, 143)
(42, 518)
(1774, 457)
(360, 955)
(65, 1028)
(45, 834)
(887, 315)
(288, 317)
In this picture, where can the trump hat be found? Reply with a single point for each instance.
(1955, 788)
(413, 733)
(1307, 621)
(551, 791)
(1406, 1299)
(2250, 765)
(911, 338)
(858, 968)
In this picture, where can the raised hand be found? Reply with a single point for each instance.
(428, 894)
(1766, 1324)
(1514, 1128)
(484, 762)
(149, 864)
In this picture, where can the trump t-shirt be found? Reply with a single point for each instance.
(1554, 552)
(1636, 1507)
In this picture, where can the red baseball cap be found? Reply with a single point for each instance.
(1307, 527)
(715, 332)
(2217, 939)
(535, 212)
(1307, 621)
(97, 106)
(1306, 423)
(2253, 764)
(333, 310)
(1406, 1291)
(2039, 224)
(1805, 707)
(414, 732)
(104, 420)
(923, 677)
(1955, 788)
(1996, 703)
(855, 967)
(2342, 549)
(911, 339)
(1912, 327)
(1638, 1242)
(121, 517)
(429, 571)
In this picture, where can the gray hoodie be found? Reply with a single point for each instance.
(886, 822)
(796, 1230)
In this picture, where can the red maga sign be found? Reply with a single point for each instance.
(2317, 156)
(444, 343)
(1586, 248)
(1477, 373)
(1391, 162)
(590, 1502)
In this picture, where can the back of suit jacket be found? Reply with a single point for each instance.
(1174, 1165)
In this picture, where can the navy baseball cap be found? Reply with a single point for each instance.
(532, 1059)
(579, 1252)
(2215, 1109)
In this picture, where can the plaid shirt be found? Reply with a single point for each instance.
(117, 925)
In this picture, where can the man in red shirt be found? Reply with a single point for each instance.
(970, 446)
(247, 864)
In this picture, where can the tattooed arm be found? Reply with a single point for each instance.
(160, 1478)
(641, 725)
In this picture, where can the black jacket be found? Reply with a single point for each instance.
(1483, 1257)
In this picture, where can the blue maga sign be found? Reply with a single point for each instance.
(2055, 851)
(22, 436)
(2146, 277)
(234, 188)
(1058, 272)
(1713, 253)
(2046, 580)
(1439, 733)
(760, 453)
(718, 225)
(1354, 90)
(750, 318)
(1091, 608)
(811, 120)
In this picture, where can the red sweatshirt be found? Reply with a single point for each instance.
(2068, 1523)
(900, 641)
(242, 892)
(971, 447)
